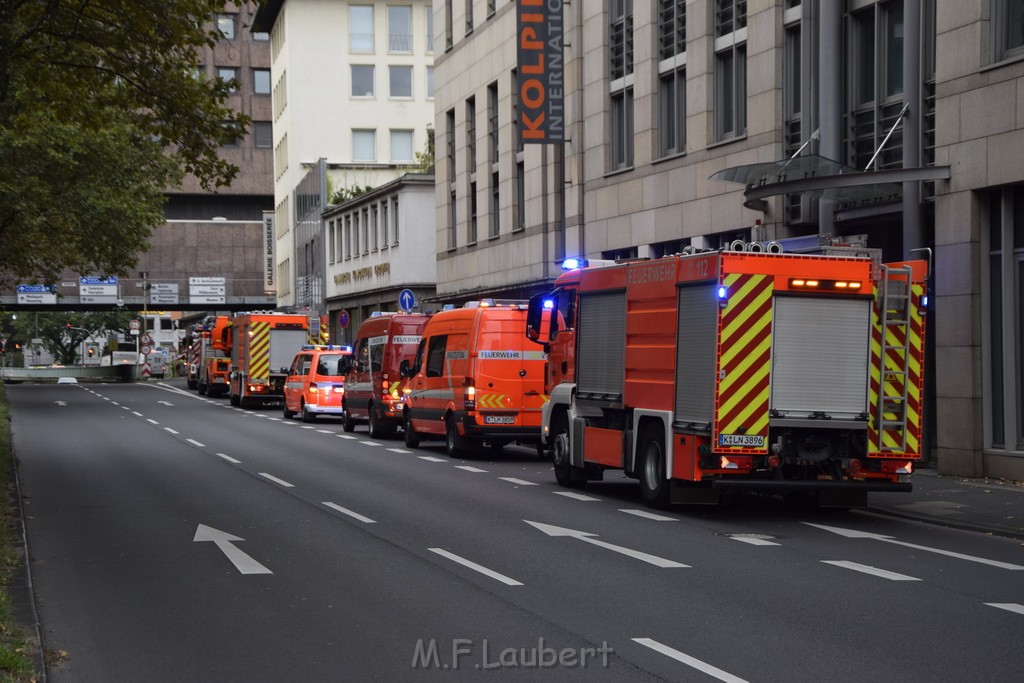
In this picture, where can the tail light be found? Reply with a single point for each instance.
(470, 402)
(774, 462)
(855, 466)
(312, 387)
(726, 464)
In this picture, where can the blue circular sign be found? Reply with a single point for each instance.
(343, 319)
(407, 300)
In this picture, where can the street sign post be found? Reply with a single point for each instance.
(407, 300)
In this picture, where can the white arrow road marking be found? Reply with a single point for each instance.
(468, 468)
(61, 403)
(346, 511)
(874, 571)
(853, 533)
(274, 479)
(589, 538)
(1008, 606)
(430, 458)
(649, 515)
(686, 659)
(242, 562)
(576, 496)
(476, 567)
(196, 443)
(521, 482)
(168, 403)
(229, 459)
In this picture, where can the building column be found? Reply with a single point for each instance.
(912, 214)
(830, 98)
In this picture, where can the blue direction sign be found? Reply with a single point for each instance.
(407, 300)
(102, 280)
(34, 289)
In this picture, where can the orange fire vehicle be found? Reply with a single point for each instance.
(263, 345)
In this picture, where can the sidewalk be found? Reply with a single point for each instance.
(987, 505)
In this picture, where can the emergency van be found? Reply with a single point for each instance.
(316, 381)
(475, 379)
(373, 387)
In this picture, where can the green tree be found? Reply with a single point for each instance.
(62, 333)
(101, 111)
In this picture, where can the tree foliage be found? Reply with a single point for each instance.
(101, 111)
(63, 342)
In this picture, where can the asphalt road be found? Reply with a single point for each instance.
(173, 537)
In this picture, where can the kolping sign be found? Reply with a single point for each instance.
(539, 71)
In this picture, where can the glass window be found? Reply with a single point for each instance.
(364, 145)
(333, 365)
(226, 26)
(400, 78)
(360, 28)
(671, 28)
(892, 20)
(1007, 21)
(226, 74)
(362, 80)
(401, 145)
(399, 28)
(864, 57)
(621, 34)
(263, 134)
(435, 356)
(430, 82)
(731, 92)
(672, 112)
(430, 27)
(261, 81)
(622, 129)
(260, 36)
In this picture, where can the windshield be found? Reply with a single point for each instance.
(334, 365)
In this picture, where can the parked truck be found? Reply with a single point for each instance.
(263, 345)
(214, 357)
(698, 374)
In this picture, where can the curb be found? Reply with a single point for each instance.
(963, 526)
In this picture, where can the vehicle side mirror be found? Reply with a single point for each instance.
(535, 317)
(404, 368)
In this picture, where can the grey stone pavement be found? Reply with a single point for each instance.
(987, 505)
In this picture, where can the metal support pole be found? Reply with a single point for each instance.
(830, 99)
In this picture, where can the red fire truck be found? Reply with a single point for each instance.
(263, 345)
(703, 373)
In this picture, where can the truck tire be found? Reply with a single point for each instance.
(306, 415)
(374, 423)
(654, 485)
(288, 414)
(348, 423)
(412, 439)
(203, 389)
(560, 456)
(235, 400)
(454, 445)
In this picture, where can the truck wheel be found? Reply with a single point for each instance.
(288, 414)
(542, 451)
(374, 423)
(412, 439)
(653, 483)
(347, 422)
(560, 456)
(306, 415)
(454, 444)
(192, 384)
(203, 389)
(234, 399)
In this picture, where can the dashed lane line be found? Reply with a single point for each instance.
(350, 513)
(274, 479)
(686, 659)
(229, 459)
(476, 567)
(873, 571)
(577, 496)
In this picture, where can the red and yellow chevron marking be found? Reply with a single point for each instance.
(259, 351)
(892, 384)
(490, 400)
(744, 361)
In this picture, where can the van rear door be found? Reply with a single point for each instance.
(509, 376)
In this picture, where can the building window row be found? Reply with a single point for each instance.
(364, 145)
(280, 95)
(399, 28)
(364, 230)
(400, 81)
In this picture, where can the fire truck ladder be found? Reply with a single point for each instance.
(895, 289)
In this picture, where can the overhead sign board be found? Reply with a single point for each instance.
(539, 71)
(206, 299)
(36, 294)
(163, 293)
(98, 290)
(200, 281)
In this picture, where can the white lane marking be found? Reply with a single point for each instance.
(476, 567)
(469, 468)
(853, 533)
(346, 511)
(152, 421)
(106, 398)
(371, 443)
(686, 659)
(274, 419)
(521, 482)
(346, 436)
(136, 413)
(430, 458)
(399, 450)
(229, 458)
(1008, 606)
(308, 427)
(125, 408)
(649, 515)
(324, 431)
(272, 478)
(576, 496)
(289, 424)
(874, 571)
(196, 443)
(752, 539)
(114, 403)
(224, 541)
(588, 537)
(168, 429)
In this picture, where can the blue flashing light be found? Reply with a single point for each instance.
(574, 263)
(722, 293)
(549, 304)
(924, 301)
